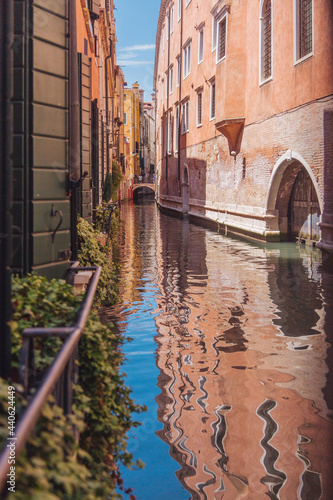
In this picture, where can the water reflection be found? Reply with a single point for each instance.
(241, 334)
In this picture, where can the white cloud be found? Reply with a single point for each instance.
(131, 62)
(138, 48)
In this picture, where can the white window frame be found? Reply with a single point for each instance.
(171, 80)
(212, 90)
(185, 116)
(297, 59)
(180, 8)
(262, 78)
(169, 125)
(218, 16)
(218, 28)
(177, 129)
(171, 18)
(187, 59)
(165, 134)
(201, 43)
(178, 70)
(199, 107)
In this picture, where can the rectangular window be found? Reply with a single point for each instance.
(221, 38)
(187, 60)
(201, 46)
(178, 71)
(180, 5)
(185, 117)
(171, 80)
(199, 108)
(171, 18)
(170, 133)
(177, 130)
(162, 87)
(266, 41)
(212, 100)
(125, 118)
(303, 28)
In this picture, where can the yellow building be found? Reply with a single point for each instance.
(132, 128)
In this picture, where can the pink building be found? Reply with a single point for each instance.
(244, 98)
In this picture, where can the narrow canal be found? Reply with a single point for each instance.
(231, 354)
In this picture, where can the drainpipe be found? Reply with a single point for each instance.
(74, 127)
(107, 108)
(180, 94)
(6, 126)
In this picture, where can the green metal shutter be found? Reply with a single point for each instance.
(41, 136)
(86, 170)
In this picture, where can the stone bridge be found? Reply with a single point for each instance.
(143, 185)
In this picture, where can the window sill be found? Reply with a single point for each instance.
(263, 82)
(220, 60)
(305, 58)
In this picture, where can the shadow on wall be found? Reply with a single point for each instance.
(182, 177)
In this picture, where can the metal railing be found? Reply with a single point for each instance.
(59, 377)
(110, 207)
(144, 179)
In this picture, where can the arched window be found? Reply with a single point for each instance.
(266, 40)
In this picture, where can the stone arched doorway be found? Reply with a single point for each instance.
(293, 197)
(186, 195)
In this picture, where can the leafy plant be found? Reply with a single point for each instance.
(116, 177)
(93, 253)
(54, 465)
(107, 188)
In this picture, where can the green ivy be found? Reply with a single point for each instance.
(54, 465)
(93, 253)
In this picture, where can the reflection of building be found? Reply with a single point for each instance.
(241, 402)
(244, 115)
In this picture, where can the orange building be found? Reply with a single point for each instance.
(244, 113)
(101, 98)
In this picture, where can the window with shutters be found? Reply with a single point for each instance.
(177, 130)
(187, 59)
(266, 41)
(171, 18)
(199, 108)
(180, 6)
(212, 100)
(185, 116)
(178, 70)
(201, 45)
(170, 132)
(171, 80)
(304, 28)
(221, 39)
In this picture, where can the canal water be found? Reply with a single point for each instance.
(232, 355)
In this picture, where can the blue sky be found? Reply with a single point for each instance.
(136, 24)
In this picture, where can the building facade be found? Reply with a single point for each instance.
(244, 98)
(62, 129)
